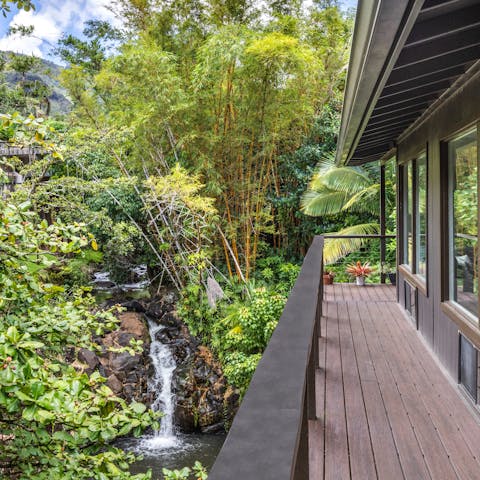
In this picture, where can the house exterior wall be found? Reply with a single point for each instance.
(459, 111)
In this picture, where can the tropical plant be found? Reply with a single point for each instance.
(56, 422)
(26, 5)
(198, 471)
(359, 270)
(336, 189)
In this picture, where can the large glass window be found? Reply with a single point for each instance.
(415, 215)
(409, 215)
(421, 216)
(462, 157)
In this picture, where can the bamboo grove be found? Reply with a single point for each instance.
(227, 90)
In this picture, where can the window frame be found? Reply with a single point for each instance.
(422, 157)
(410, 271)
(452, 306)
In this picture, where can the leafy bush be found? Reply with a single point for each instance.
(239, 368)
(198, 470)
(240, 326)
(56, 422)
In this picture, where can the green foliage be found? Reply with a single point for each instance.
(30, 94)
(239, 328)
(230, 99)
(23, 63)
(240, 367)
(123, 250)
(198, 471)
(58, 423)
(90, 53)
(295, 230)
(339, 189)
(26, 5)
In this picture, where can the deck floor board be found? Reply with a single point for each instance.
(386, 409)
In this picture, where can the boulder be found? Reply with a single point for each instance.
(133, 306)
(134, 323)
(127, 375)
(123, 363)
(89, 358)
(115, 384)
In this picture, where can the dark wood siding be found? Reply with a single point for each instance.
(462, 109)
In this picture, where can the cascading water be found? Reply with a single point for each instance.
(167, 448)
(161, 386)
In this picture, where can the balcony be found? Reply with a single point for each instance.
(347, 389)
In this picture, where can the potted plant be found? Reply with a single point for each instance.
(328, 276)
(386, 269)
(359, 271)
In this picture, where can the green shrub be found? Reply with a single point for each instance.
(240, 367)
(57, 422)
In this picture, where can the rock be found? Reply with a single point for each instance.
(133, 306)
(214, 428)
(88, 357)
(164, 302)
(134, 323)
(124, 362)
(185, 418)
(115, 384)
(170, 298)
(124, 339)
(170, 319)
(204, 400)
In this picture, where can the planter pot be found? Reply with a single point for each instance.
(360, 281)
(327, 279)
(393, 278)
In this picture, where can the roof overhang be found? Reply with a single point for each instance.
(405, 55)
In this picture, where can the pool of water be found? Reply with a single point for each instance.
(174, 452)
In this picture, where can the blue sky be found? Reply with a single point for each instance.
(52, 18)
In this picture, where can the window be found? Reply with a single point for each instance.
(408, 220)
(463, 220)
(421, 216)
(415, 215)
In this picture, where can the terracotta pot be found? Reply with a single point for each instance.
(360, 281)
(327, 279)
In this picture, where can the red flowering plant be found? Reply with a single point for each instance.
(359, 270)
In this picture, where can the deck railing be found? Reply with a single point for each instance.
(268, 439)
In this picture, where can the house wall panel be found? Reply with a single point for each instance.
(460, 110)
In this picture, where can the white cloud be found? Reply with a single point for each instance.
(50, 20)
(29, 46)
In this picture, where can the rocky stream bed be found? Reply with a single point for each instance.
(203, 401)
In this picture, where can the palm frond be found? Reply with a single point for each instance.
(346, 179)
(336, 248)
(321, 203)
(366, 200)
(326, 163)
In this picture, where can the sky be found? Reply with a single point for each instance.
(52, 18)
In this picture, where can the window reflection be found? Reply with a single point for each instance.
(421, 215)
(409, 219)
(462, 154)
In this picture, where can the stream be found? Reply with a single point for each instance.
(165, 448)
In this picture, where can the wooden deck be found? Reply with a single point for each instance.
(385, 408)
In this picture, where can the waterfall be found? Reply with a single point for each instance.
(161, 386)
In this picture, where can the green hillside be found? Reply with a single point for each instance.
(28, 82)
